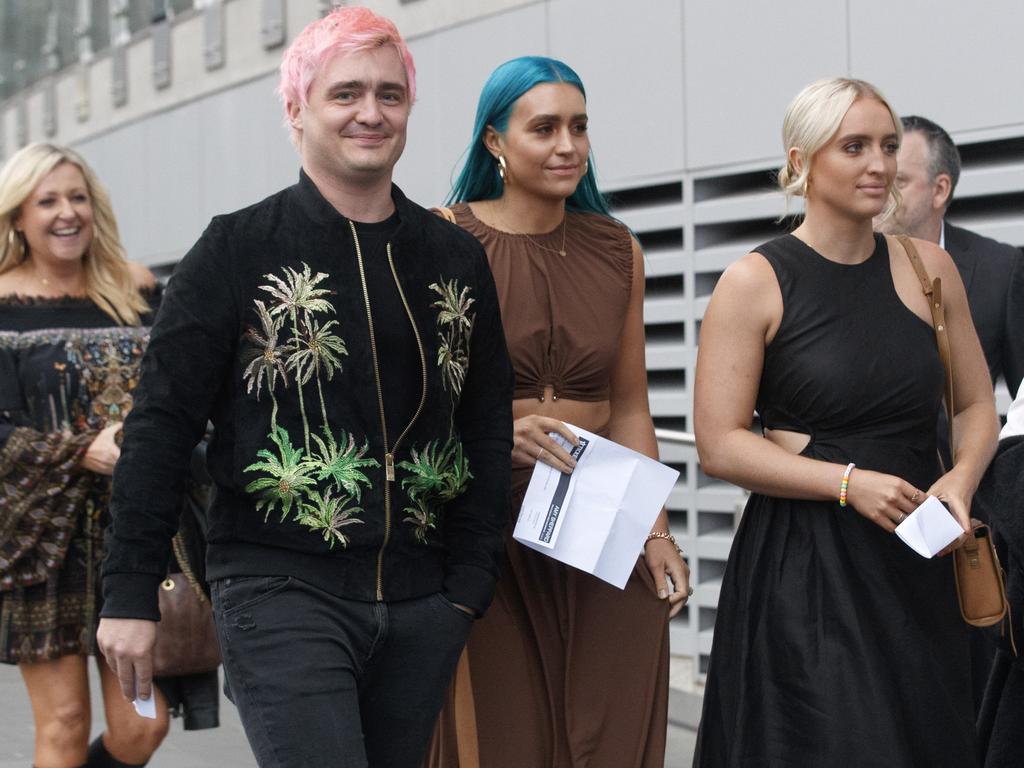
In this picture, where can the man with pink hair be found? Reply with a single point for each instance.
(347, 345)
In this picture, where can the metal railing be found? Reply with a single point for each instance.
(675, 436)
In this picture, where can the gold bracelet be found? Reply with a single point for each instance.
(666, 537)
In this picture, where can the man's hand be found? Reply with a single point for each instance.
(127, 645)
(103, 452)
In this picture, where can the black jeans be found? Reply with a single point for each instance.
(324, 682)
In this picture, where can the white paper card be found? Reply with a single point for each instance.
(542, 520)
(929, 529)
(145, 707)
(597, 518)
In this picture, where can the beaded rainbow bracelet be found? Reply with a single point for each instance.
(843, 486)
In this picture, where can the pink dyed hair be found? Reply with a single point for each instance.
(347, 29)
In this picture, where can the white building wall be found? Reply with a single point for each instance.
(686, 102)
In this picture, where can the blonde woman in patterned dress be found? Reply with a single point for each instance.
(72, 332)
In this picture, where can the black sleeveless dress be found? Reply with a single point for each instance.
(835, 644)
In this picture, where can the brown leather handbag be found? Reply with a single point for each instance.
(186, 638)
(980, 581)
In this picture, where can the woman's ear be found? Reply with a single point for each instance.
(493, 140)
(795, 156)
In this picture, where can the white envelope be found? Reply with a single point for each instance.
(929, 529)
(616, 497)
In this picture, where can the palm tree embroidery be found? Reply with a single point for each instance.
(285, 477)
(268, 358)
(297, 297)
(291, 479)
(342, 463)
(438, 474)
(455, 326)
(315, 348)
(328, 514)
(440, 471)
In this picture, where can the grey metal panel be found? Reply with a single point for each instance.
(959, 64)
(168, 174)
(162, 54)
(630, 58)
(21, 121)
(741, 75)
(214, 56)
(272, 25)
(50, 107)
(451, 69)
(83, 92)
(125, 166)
(235, 169)
(119, 75)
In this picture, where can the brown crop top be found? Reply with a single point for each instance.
(563, 316)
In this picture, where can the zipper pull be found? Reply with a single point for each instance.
(389, 467)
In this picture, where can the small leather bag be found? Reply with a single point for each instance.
(980, 581)
(186, 638)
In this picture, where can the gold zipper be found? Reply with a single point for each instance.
(389, 451)
(419, 348)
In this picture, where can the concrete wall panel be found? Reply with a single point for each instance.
(451, 69)
(630, 58)
(744, 62)
(960, 64)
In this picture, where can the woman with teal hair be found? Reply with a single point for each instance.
(564, 669)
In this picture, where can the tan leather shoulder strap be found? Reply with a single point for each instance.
(445, 213)
(933, 292)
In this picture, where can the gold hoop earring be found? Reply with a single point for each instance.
(506, 177)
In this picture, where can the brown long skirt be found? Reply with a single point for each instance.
(565, 671)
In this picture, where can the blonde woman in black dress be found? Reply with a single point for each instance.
(836, 644)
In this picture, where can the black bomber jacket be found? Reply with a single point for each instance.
(265, 330)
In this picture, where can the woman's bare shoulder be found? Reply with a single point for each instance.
(141, 276)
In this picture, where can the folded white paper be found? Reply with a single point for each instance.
(929, 529)
(144, 707)
(597, 518)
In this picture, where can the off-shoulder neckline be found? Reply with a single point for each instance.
(64, 300)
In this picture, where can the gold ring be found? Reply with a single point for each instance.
(540, 453)
(902, 517)
(916, 496)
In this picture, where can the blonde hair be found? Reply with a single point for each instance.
(811, 121)
(108, 279)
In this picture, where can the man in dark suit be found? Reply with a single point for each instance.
(928, 168)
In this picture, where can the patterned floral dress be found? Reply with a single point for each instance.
(67, 370)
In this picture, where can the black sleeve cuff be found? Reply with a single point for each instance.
(130, 596)
(469, 586)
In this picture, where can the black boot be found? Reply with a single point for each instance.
(99, 757)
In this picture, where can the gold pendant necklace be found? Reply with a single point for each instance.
(560, 251)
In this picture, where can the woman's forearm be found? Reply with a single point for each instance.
(759, 465)
(976, 435)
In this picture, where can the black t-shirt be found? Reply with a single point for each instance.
(397, 355)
